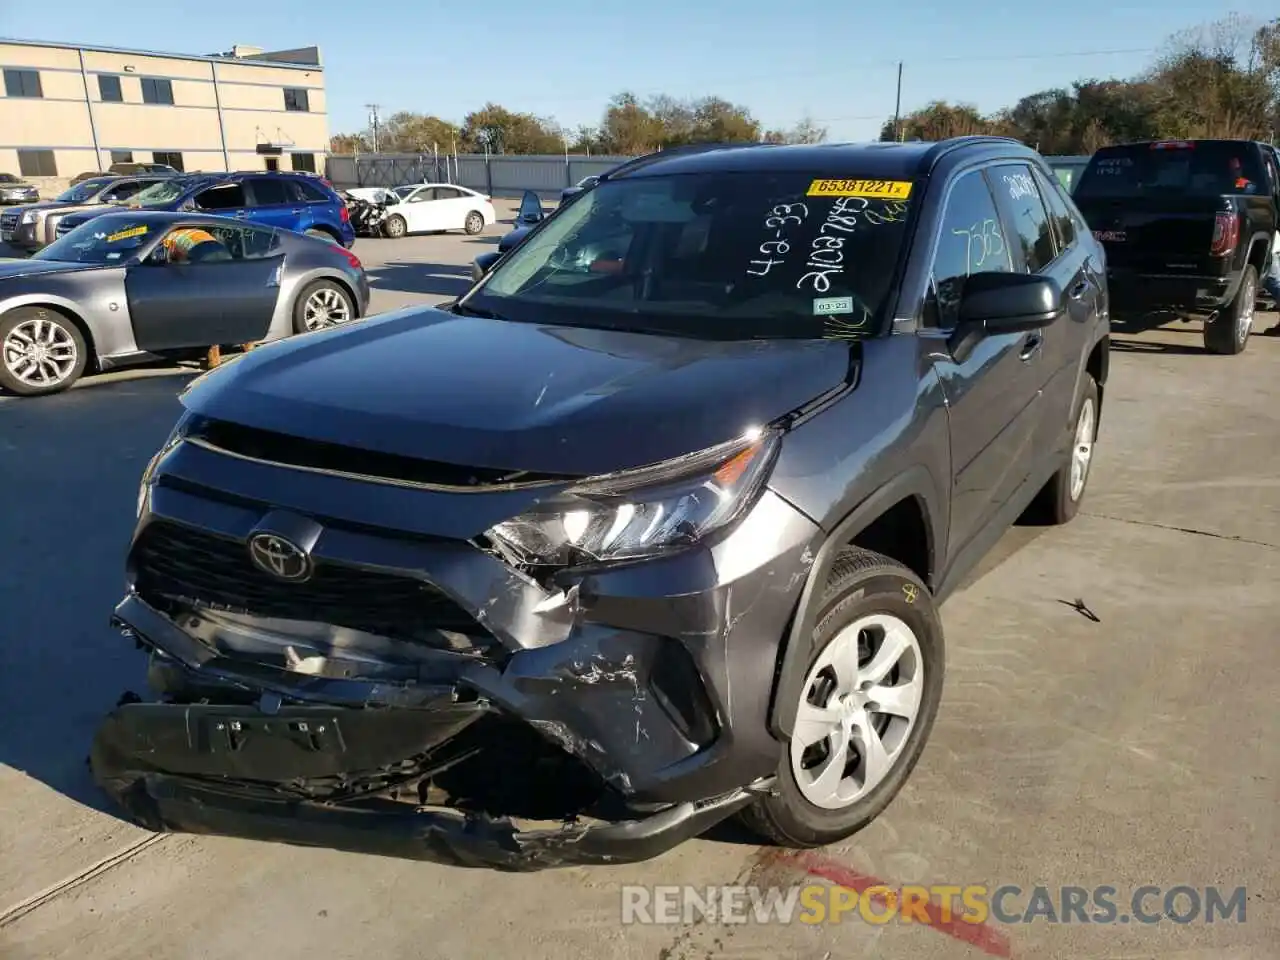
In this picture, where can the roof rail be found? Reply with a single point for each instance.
(943, 147)
(635, 163)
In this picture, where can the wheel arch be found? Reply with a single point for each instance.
(901, 520)
(327, 230)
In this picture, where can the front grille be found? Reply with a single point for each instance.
(9, 222)
(177, 562)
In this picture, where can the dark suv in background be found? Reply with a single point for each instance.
(648, 528)
(1188, 227)
(288, 201)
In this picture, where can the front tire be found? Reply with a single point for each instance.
(872, 687)
(321, 305)
(474, 223)
(1228, 332)
(395, 226)
(41, 352)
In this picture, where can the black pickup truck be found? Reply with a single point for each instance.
(1188, 227)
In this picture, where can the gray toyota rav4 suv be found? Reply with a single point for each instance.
(648, 528)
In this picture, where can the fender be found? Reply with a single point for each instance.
(793, 657)
(54, 301)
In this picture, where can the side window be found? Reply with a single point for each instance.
(422, 196)
(448, 193)
(229, 196)
(1064, 227)
(1019, 198)
(970, 241)
(311, 193)
(271, 192)
(247, 243)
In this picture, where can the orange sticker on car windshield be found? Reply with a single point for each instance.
(126, 234)
(871, 189)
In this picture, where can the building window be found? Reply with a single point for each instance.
(122, 156)
(22, 83)
(273, 163)
(304, 161)
(297, 99)
(37, 163)
(157, 91)
(109, 89)
(171, 159)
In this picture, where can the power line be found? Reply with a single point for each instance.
(866, 66)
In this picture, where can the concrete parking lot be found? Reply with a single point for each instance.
(1133, 747)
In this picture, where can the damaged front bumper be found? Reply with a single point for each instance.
(235, 770)
(605, 722)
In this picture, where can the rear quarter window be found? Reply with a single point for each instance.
(1196, 168)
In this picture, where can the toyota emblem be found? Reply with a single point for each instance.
(277, 556)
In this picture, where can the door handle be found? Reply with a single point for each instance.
(1078, 289)
(241, 214)
(296, 211)
(1031, 346)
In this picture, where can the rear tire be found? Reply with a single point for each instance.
(321, 305)
(1228, 333)
(1061, 497)
(41, 352)
(873, 599)
(395, 226)
(474, 223)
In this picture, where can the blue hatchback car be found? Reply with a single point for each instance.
(289, 201)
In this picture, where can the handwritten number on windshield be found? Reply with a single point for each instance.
(779, 217)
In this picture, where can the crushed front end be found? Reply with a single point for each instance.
(357, 660)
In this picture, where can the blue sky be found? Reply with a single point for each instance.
(565, 58)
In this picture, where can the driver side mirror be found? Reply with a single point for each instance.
(1009, 302)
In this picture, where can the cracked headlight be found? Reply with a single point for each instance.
(639, 513)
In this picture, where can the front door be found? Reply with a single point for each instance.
(218, 292)
(422, 211)
(989, 380)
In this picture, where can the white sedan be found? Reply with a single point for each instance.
(438, 206)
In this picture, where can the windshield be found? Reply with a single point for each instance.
(85, 190)
(159, 194)
(1195, 168)
(725, 255)
(91, 242)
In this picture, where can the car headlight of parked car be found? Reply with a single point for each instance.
(29, 216)
(643, 512)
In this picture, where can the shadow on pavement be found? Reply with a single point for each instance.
(443, 279)
(1153, 346)
(69, 469)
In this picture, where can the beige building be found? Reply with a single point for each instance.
(66, 110)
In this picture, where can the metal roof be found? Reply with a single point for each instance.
(129, 51)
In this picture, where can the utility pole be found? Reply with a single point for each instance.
(897, 106)
(373, 122)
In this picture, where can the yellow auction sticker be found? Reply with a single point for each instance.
(874, 189)
(126, 234)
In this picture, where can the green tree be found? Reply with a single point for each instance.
(503, 131)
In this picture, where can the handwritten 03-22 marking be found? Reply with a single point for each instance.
(871, 189)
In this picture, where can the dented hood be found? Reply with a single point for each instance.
(505, 395)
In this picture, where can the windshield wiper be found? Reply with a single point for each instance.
(467, 310)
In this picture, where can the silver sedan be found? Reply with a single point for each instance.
(133, 287)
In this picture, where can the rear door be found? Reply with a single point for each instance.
(1153, 206)
(274, 203)
(179, 306)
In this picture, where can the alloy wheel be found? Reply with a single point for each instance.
(40, 352)
(326, 308)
